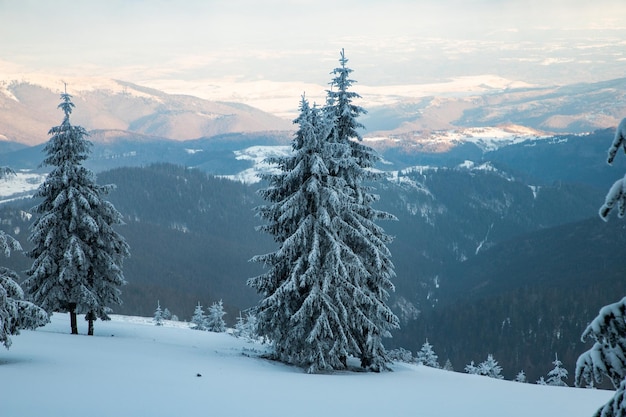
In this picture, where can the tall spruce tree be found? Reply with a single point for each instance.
(325, 289)
(371, 247)
(607, 356)
(306, 290)
(77, 254)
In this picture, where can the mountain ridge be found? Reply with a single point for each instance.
(29, 110)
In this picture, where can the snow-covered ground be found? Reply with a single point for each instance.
(133, 368)
(21, 185)
(258, 156)
(486, 138)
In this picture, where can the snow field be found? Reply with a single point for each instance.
(133, 368)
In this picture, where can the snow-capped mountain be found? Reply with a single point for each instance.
(574, 108)
(486, 115)
(30, 109)
(439, 141)
(22, 184)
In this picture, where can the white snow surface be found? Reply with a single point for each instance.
(258, 155)
(489, 138)
(21, 185)
(133, 368)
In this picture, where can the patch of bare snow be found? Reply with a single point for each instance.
(489, 138)
(258, 155)
(20, 185)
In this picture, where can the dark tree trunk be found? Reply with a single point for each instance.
(90, 320)
(73, 322)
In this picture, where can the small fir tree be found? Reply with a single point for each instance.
(158, 315)
(558, 375)
(541, 381)
(490, 368)
(167, 314)
(400, 355)
(521, 377)
(471, 368)
(199, 318)
(77, 254)
(427, 356)
(246, 326)
(447, 366)
(215, 318)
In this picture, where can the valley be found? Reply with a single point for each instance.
(499, 218)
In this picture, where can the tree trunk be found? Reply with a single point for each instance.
(73, 322)
(90, 320)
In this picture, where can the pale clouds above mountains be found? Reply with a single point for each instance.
(389, 42)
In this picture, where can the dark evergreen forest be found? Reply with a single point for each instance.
(546, 264)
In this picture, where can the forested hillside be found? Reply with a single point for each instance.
(468, 240)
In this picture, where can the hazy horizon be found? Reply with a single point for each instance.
(255, 50)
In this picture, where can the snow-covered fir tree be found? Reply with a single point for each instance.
(607, 356)
(199, 318)
(370, 248)
(558, 375)
(427, 356)
(541, 381)
(325, 289)
(400, 355)
(77, 254)
(158, 315)
(246, 326)
(521, 377)
(167, 314)
(16, 313)
(471, 368)
(490, 368)
(447, 366)
(617, 192)
(215, 318)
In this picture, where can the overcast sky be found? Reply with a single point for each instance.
(388, 41)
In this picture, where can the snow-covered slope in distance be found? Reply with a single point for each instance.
(21, 185)
(258, 155)
(133, 368)
(487, 138)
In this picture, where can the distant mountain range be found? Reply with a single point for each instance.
(575, 108)
(120, 110)
(29, 109)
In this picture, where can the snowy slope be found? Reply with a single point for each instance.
(21, 185)
(487, 138)
(133, 368)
